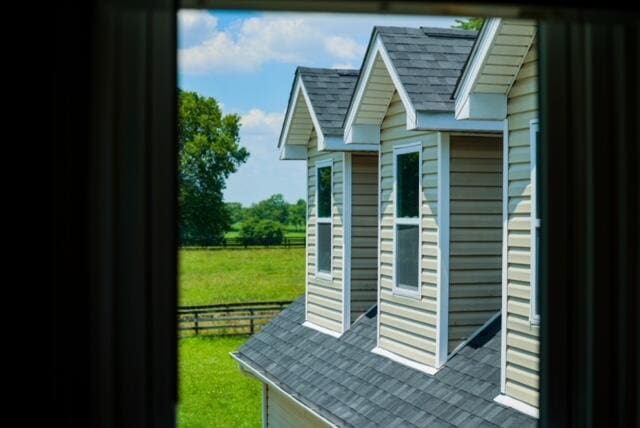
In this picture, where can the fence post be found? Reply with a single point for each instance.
(196, 323)
(251, 321)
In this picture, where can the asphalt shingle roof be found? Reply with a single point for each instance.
(330, 92)
(428, 61)
(341, 379)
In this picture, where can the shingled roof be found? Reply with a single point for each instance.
(342, 380)
(330, 92)
(428, 62)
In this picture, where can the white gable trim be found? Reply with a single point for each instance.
(476, 62)
(377, 48)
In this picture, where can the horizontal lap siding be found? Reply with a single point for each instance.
(283, 412)
(475, 260)
(324, 297)
(408, 326)
(522, 379)
(364, 244)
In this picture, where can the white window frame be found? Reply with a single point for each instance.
(534, 129)
(323, 220)
(397, 151)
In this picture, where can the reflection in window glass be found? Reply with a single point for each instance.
(324, 191)
(407, 169)
(324, 247)
(407, 255)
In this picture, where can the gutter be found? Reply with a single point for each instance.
(252, 371)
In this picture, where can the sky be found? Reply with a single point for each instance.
(247, 61)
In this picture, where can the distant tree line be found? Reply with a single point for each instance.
(269, 219)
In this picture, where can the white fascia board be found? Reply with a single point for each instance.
(337, 144)
(362, 134)
(293, 152)
(367, 69)
(483, 106)
(430, 121)
(254, 372)
(476, 62)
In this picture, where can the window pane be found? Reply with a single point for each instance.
(407, 275)
(408, 168)
(324, 191)
(324, 247)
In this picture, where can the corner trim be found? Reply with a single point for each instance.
(244, 365)
(442, 327)
(346, 250)
(518, 405)
(324, 330)
(505, 254)
(405, 361)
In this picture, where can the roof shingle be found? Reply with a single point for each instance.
(341, 379)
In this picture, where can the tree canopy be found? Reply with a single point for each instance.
(209, 150)
(469, 24)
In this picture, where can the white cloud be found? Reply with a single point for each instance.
(261, 122)
(195, 26)
(347, 65)
(290, 38)
(343, 47)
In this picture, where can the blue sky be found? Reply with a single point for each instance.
(247, 60)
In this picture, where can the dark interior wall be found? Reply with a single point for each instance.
(114, 226)
(590, 125)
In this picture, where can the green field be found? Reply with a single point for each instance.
(213, 392)
(210, 277)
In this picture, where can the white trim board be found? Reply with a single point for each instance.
(442, 326)
(324, 330)
(518, 405)
(505, 254)
(476, 61)
(405, 361)
(264, 379)
(347, 171)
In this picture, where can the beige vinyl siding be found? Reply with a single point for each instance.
(324, 297)
(364, 237)
(505, 56)
(522, 379)
(475, 246)
(283, 412)
(407, 325)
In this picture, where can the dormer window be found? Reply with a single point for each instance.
(323, 222)
(407, 220)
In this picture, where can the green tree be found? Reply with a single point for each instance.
(469, 24)
(209, 151)
(298, 213)
(273, 208)
(236, 212)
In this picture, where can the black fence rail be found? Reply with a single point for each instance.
(227, 319)
(292, 242)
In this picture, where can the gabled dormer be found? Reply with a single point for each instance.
(342, 187)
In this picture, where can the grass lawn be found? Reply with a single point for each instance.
(213, 392)
(209, 277)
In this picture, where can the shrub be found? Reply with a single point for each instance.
(262, 231)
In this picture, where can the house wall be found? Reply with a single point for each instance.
(475, 248)
(408, 325)
(364, 235)
(283, 412)
(324, 297)
(522, 337)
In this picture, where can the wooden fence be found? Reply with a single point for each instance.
(292, 242)
(229, 319)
